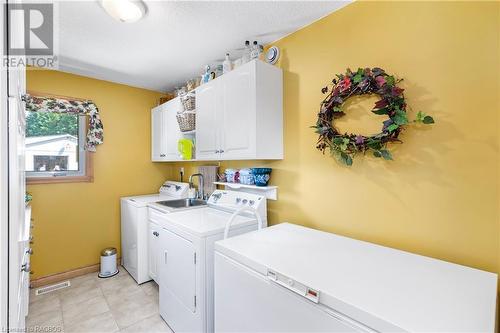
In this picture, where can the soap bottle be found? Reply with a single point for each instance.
(226, 65)
(254, 54)
(246, 53)
(261, 52)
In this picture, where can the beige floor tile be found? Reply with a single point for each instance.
(150, 288)
(153, 324)
(76, 294)
(48, 319)
(119, 285)
(100, 323)
(44, 304)
(128, 309)
(77, 312)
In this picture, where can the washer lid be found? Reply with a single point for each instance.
(144, 200)
(383, 288)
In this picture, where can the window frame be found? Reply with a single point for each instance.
(80, 176)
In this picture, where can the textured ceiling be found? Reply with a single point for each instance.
(175, 39)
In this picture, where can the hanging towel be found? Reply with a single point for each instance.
(209, 173)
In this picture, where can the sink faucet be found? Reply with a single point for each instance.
(201, 194)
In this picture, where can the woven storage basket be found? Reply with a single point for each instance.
(188, 101)
(187, 121)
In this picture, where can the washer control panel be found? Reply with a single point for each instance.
(235, 200)
(175, 189)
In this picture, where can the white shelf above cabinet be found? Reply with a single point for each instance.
(270, 192)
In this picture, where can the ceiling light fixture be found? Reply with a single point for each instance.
(125, 10)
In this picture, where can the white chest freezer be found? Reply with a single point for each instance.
(289, 278)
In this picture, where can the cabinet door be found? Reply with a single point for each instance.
(207, 145)
(171, 129)
(238, 112)
(157, 142)
(154, 249)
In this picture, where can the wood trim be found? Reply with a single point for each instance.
(88, 178)
(42, 94)
(58, 277)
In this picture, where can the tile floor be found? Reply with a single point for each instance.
(91, 304)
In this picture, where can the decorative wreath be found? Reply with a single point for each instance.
(392, 103)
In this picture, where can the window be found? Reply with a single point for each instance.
(55, 148)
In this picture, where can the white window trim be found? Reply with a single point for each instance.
(82, 162)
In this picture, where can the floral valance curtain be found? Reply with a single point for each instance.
(60, 105)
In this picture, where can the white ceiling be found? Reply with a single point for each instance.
(175, 39)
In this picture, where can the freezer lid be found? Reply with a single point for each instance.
(383, 288)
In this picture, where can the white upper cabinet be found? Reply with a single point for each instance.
(157, 146)
(207, 144)
(165, 131)
(172, 131)
(240, 114)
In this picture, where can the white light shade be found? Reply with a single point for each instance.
(124, 10)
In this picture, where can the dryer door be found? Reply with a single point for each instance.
(178, 282)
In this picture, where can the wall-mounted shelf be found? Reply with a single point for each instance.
(193, 132)
(271, 192)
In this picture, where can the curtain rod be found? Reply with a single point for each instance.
(42, 94)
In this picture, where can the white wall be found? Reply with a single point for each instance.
(63, 147)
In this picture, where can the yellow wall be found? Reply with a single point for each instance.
(439, 197)
(73, 222)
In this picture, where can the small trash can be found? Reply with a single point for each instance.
(108, 263)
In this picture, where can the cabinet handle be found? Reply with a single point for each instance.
(165, 257)
(156, 233)
(217, 151)
(221, 151)
(26, 268)
(162, 155)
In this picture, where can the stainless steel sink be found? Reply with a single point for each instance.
(183, 203)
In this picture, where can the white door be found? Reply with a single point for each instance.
(178, 283)
(239, 114)
(154, 251)
(17, 239)
(207, 127)
(171, 129)
(157, 138)
(12, 186)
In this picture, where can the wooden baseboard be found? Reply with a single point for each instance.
(58, 277)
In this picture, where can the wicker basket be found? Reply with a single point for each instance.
(187, 121)
(188, 101)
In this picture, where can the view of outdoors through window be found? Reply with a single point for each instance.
(51, 142)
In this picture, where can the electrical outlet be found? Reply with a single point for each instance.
(182, 170)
